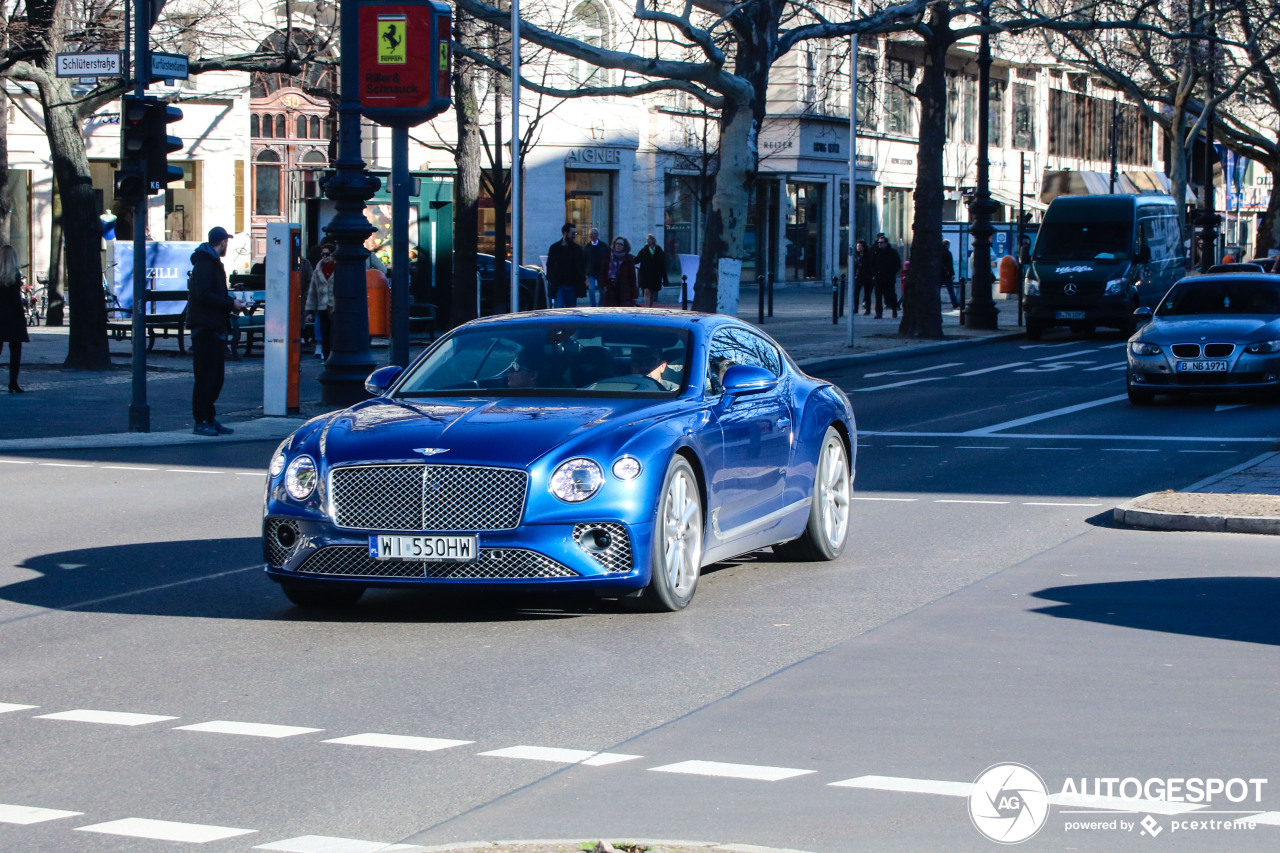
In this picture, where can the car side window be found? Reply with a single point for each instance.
(739, 346)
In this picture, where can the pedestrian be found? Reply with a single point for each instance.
(862, 280)
(949, 273)
(13, 316)
(320, 300)
(566, 268)
(653, 270)
(209, 310)
(618, 272)
(595, 253)
(885, 265)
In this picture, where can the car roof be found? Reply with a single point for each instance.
(1231, 277)
(620, 316)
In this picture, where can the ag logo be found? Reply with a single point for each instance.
(1009, 803)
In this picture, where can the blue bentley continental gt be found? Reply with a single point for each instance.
(616, 451)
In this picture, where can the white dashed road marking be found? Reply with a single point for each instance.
(899, 384)
(27, 815)
(6, 708)
(326, 844)
(910, 372)
(732, 771)
(228, 727)
(1047, 503)
(994, 369)
(165, 830)
(1121, 804)
(109, 718)
(909, 786)
(961, 501)
(562, 756)
(1267, 818)
(419, 744)
(1030, 419)
(895, 500)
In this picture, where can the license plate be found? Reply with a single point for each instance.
(429, 549)
(1069, 315)
(1202, 367)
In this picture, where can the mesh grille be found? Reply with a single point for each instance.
(1186, 350)
(1218, 350)
(354, 561)
(277, 555)
(615, 558)
(439, 498)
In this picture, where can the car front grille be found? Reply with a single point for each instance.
(1208, 350)
(1084, 290)
(439, 498)
(493, 564)
(615, 558)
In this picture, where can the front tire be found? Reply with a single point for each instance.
(676, 556)
(321, 596)
(827, 532)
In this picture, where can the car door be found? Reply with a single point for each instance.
(747, 483)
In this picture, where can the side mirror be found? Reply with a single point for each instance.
(1141, 316)
(1143, 255)
(381, 379)
(747, 379)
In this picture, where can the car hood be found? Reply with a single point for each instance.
(511, 431)
(1238, 328)
(1082, 270)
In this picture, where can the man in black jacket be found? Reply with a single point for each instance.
(209, 308)
(566, 269)
(885, 265)
(596, 254)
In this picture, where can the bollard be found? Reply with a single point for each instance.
(684, 293)
(844, 285)
(760, 301)
(835, 300)
(769, 282)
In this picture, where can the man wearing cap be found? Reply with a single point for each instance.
(209, 308)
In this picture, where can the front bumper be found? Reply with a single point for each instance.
(532, 555)
(1244, 372)
(1111, 313)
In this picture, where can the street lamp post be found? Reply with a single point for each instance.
(350, 186)
(981, 311)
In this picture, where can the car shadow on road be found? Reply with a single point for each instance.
(1222, 608)
(224, 579)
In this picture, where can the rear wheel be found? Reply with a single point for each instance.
(676, 556)
(313, 594)
(828, 529)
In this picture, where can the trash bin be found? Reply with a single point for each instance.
(1010, 275)
(379, 293)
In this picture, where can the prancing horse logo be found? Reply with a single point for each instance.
(430, 451)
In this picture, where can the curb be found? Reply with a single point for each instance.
(259, 429)
(1128, 515)
(810, 365)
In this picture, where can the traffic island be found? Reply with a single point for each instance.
(1202, 511)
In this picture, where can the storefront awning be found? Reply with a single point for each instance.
(1011, 199)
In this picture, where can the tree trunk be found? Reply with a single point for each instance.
(54, 276)
(6, 202)
(466, 189)
(82, 230)
(922, 311)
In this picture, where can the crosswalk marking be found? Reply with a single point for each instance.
(229, 727)
(732, 771)
(7, 708)
(108, 718)
(165, 830)
(420, 744)
(27, 815)
(906, 785)
(561, 756)
(328, 844)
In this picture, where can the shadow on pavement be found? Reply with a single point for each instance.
(223, 579)
(1228, 608)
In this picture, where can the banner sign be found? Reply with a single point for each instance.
(167, 263)
(404, 61)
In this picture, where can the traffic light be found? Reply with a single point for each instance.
(160, 145)
(131, 179)
(131, 185)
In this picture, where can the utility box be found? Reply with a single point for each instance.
(282, 329)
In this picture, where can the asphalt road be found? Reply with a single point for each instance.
(983, 613)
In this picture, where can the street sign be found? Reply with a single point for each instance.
(404, 61)
(106, 63)
(168, 66)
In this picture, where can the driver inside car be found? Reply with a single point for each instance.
(649, 362)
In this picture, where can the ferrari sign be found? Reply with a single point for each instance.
(404, 61)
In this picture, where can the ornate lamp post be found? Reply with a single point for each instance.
(350, 186)
(981, 311)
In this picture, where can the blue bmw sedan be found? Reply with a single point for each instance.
(616, 451)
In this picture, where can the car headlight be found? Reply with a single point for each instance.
(1263, 347)
(576, 480)
(300, 478)
(278, 460)
(1033, 287)
(626, 468)
(1144, 348)
(1115, 286)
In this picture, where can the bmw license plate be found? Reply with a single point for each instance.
(1202, 367)
(1068, 315)
(426, 548)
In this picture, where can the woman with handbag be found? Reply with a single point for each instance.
(618, 272)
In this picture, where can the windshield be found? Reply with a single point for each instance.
(1252, 296)
(1084, 240)
(553, 359)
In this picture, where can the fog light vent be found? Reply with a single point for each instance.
(607, 543)
(280, 538)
